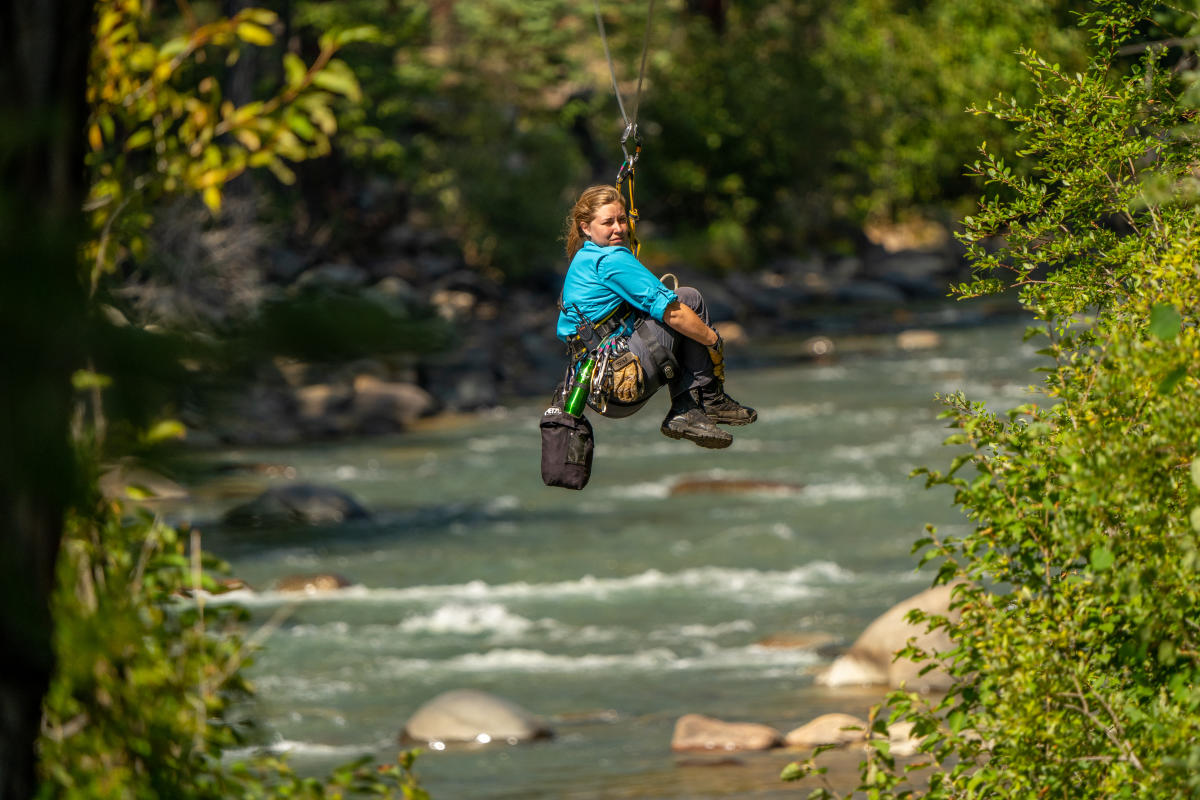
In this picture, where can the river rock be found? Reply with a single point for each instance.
(836, 729)
(733, 486)
(698, 732)
(804, 640)
(311, 584)
(297, 503)
(918, 339)
(469, 715)
(383, 405)
(333, 275)
(317, 401)
(901, 740)
(870, 660)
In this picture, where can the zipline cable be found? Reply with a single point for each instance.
(631, 129)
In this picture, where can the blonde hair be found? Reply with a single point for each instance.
(584, 210)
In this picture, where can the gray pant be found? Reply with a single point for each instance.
(695, 367)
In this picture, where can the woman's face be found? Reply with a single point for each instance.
(609, 227)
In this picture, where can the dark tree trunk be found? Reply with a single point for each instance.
(44, 48)
(714, 10)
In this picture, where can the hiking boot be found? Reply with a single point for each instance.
(685, 420)
(721, 408)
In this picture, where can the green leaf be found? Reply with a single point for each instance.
(262, 16)
(1196, 472)
(957, 720)
(361, 33)
(1165, 321)
(301, 126)
(255, 34)
(1102, 558)
(792, 772)
(165, 429)
(338, 78)
(1195, 518)
(136, 491)
(294, 69)
(139, 138)
(1172, 380)
(85, 379)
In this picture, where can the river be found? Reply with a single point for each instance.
(612, 611)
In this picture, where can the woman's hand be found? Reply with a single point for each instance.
(716, 354)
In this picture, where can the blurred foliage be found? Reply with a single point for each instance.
(785, 128)
(903, 75)
(145, 699)
(804, 119)
(782, 129)
(144, 702)
(161, 126)
(1076, 661)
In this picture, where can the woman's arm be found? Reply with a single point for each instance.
(683, 319)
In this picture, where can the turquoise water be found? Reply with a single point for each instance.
(613, 611)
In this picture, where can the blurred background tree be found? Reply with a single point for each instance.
(43, 67)
(138, 702)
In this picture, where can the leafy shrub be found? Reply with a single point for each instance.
(1077, 657)
(143, 703)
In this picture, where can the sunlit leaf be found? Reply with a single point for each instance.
(263, 16)
(294, 69)
(302, 126)
(1165, 321)
(338, 78)
(255, 34)
(212, 199)
(249, 139)
(165, 429)
(139, 138)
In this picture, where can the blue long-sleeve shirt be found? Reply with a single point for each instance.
(599, 278)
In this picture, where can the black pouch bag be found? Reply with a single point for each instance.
(567, 447)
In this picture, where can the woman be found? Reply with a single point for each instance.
(607, 292)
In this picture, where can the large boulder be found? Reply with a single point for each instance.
(469, 715)
(698, 732)
(383, 404)
(835, 729)
(871, 661)
(296, 503)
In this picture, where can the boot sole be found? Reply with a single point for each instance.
(733, 421)
(710, 442)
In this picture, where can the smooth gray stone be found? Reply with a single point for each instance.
(469, 715)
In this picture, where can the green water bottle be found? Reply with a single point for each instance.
(579, 389)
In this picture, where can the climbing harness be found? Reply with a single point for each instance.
(629, 165)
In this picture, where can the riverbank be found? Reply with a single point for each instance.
(502, 347)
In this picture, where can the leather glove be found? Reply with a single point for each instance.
(627, 379)
(716, 354)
